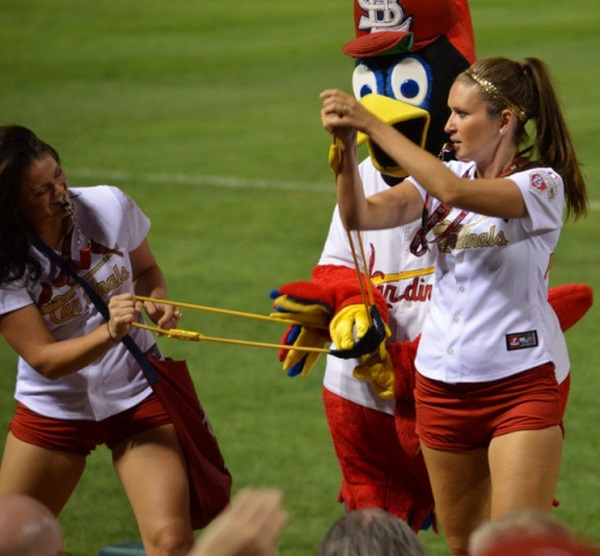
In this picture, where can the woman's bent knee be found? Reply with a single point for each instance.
(170, 541)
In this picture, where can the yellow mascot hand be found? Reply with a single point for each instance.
(299, 362)
(357, 331)
(309, 306)
(377, 368)
(304, 313)
(304, 302)
(348, 326)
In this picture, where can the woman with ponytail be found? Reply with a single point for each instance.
(487, 387)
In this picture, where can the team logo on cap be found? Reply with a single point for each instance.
(398, 26)
(383, 15)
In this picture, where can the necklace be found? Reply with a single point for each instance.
(516, 164)
(419, 244)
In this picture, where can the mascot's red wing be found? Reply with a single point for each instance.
(570, 303)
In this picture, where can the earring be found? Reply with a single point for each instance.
(502, 131)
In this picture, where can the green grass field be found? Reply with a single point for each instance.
(207, 113)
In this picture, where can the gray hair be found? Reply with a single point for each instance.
(370, 532)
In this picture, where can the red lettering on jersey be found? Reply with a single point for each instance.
(418, 290)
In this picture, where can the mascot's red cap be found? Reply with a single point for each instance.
(396, 26)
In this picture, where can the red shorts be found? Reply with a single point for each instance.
(456, 417)
(82, 436)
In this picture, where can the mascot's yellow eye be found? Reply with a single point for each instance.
(366, 81)
(410, 81)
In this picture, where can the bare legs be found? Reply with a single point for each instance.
(149, 465)
(46, 475)
(152, 469)
(518, 470)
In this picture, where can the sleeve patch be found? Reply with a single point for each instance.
(545, 182)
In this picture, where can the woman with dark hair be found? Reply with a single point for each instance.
(487, 395)
(77, 384)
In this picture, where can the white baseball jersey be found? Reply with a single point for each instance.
(404, 280)
(113, 383)
(489, 316)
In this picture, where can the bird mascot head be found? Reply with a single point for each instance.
(409, 51)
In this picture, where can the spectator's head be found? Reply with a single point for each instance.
(28, 528)
(526, 532)
(370, 532)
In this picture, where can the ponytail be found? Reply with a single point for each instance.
(553, 144)
(527, 90)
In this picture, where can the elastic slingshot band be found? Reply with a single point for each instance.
(191, 336)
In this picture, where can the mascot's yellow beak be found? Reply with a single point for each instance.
(411, 121)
